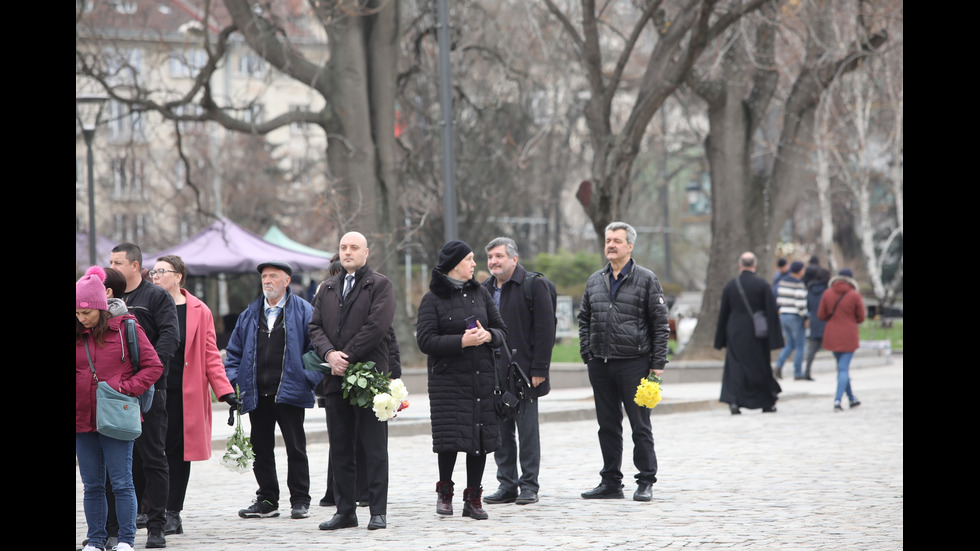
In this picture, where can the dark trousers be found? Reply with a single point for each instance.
(520, 442)
(346, 425)
(614, 385)
(361, 478)
(179, 470)
(264, 418)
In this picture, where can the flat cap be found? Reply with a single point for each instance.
(284, 266)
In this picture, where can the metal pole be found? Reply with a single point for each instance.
(446, 101)
(88, 134)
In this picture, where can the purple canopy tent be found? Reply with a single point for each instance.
(103, 248)
(226, 248)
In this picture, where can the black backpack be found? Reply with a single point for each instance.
(529, 300)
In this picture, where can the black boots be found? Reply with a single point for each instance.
(472, 505)
(444, 503)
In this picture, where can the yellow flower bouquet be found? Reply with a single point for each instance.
(648, 392)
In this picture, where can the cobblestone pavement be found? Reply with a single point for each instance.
(803, 478)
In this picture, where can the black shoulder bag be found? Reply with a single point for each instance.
(759, 322)
(507, 398)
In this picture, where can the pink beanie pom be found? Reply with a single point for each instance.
(90, 290)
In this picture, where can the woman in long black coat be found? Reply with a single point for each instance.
(458, 328)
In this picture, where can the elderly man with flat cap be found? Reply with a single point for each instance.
(265, 362)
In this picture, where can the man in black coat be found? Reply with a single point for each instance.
(748, 379)
(623, 333)
(532, 334)
(352, 317)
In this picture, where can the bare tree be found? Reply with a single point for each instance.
(652, 47)
(757, 180)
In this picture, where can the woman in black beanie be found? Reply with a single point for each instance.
(458, 328)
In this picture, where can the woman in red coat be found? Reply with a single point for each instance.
(843, 309)
(196, 365)
(101, 355)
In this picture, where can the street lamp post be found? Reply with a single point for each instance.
(88, 108)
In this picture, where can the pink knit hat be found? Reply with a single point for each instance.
(90, 290)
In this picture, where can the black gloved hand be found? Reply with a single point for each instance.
(232, 400)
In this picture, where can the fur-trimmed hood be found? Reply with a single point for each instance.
(442, 287)
(844, 279)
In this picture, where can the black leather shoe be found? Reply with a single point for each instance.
(526, 497)
(327, 501)
(141, 520)
(770, 409)
(644, 492)
(604, 491)
(377, 522)
(734, 409)
(155, 539)
(500, 496)
(339, 521)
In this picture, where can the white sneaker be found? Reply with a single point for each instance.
(122, 547)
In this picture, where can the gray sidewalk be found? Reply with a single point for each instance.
(803, 478)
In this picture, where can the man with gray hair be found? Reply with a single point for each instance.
(531, 332)
(623, 335)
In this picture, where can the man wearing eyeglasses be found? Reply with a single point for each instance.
(156, 313)
(264, 359)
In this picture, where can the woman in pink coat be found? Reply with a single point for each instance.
(196, 365)
(842, 307)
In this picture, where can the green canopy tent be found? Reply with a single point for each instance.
(275, 235)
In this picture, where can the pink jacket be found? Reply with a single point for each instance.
(202, 367)
(111, 367)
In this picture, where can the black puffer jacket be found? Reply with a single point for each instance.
(633, 325)
(461, 379)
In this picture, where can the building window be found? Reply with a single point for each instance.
(187, 63)
(124, 124)
(251, 65)
(127, 180)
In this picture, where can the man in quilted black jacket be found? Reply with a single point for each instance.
(623, 335)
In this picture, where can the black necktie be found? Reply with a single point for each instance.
(348, 283)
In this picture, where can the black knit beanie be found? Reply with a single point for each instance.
(452, 253)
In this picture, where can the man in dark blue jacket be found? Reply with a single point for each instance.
(623, 335)
(532, 333)
(264, 361)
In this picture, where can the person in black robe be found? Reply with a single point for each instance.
(747, 380)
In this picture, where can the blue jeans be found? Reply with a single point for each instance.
(98, 456)
(795, 334)
(843, 376)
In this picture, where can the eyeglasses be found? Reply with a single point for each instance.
(154, 273)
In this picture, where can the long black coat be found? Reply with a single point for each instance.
(461, 380)
(747, 379)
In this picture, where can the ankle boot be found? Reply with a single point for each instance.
(444, 503)
(172, 523)
(472, 505)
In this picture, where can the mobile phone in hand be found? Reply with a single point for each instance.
(471, 322)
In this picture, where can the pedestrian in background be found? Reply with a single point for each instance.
(101, 355)
(623, 333)
(532, 335)
(791, 300)
(843, 309)
(195, 370)
(458, 328)
(815, 287)
(747, 379)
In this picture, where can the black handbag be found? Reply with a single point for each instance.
(516, 388)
